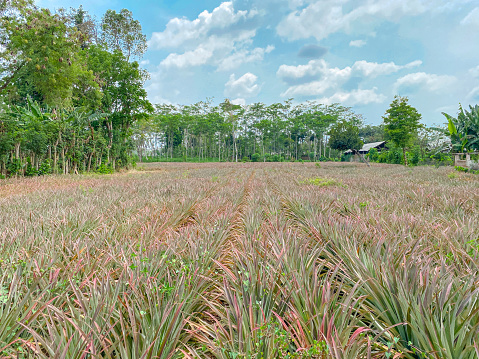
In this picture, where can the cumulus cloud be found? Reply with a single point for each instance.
(242, 57)
(473, 95)
(471, 19)
(179, 31)
(317, 76)
(374, 69)
(239, 101)
(243, 87)
(222, 38)
(355, 97)
(474, 71)
(199, 56)
(322, 18)
(357, 43)
(429, 82)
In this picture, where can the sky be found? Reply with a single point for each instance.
(360, 53)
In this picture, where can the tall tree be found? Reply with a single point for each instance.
(345, 136)
(401, 122)
(122, 32)
(41, 57)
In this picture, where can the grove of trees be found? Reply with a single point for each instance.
(229, 132)
(70, 92)
(72, 99)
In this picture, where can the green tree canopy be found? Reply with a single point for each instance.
(122, 32)
(401, 122)
(345, 136)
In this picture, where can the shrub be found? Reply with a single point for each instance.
(373, 155)
(255, 157)
(30, 170)
(14, 167)
(45, 167)
(104, 169)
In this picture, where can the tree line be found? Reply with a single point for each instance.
(230, 132)
(72, 100)
(71, 91)
(306, 131)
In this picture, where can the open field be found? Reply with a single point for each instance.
(235, 260)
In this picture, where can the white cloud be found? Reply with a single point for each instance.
(314, 68)
(222, 38)
(144, 62)
(473, 95)
(180, 31)
(243, 87)
(472, 19)
(239, 101)
(355, 97)
(319, 77)
(238, 58)
(323, 18)
(474, 71)
(373, 69)
(199, 56)
(357, 43)
(430, 82)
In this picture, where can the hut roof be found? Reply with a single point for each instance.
(367, 146)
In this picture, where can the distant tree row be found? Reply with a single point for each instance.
(72, 99)
(230, 132)
(283, 131)
(69, 92)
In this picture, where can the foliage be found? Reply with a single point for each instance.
(69, 105)
(41, 57)
(255, 157)
(345, 136)
(401, 122)
(464, 130)
(322, 182)
(120, 32)
(230, 132)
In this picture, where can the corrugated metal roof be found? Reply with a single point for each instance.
(367, 146)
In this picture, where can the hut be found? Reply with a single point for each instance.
(365, 150)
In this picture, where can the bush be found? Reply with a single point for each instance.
(104, 169)
(14, 167)
(373, 155)
(30, 171)
(276, 158)
(256, 157)
(45, 168)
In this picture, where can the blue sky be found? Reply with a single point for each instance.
(359, 53)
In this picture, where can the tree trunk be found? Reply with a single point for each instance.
(404, 155)
(361, 157)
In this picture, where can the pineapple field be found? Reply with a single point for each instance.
(241, 260)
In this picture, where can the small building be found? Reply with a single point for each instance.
(464, 160)
(365, 150)
(367, 146)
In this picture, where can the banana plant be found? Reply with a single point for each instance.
(464, 130)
